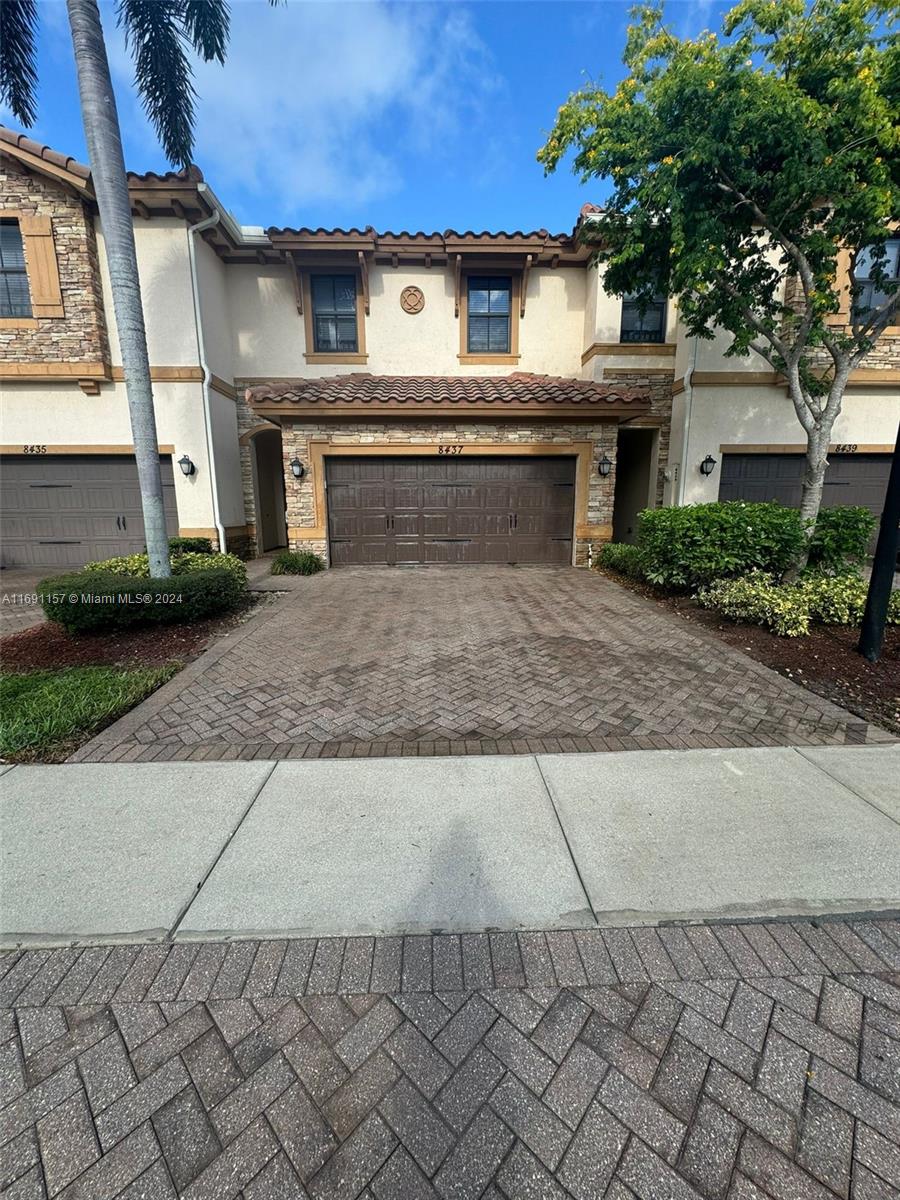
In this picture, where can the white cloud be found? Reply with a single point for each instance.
(319, 102)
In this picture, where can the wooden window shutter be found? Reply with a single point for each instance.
(43, 272)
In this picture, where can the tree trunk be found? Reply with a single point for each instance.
(811, 496)
(871, 635)
(104, 141)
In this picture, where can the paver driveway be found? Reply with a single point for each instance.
(747, 1062)
(366, 661)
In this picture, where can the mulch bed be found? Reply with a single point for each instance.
(48, 646)
(826, 661)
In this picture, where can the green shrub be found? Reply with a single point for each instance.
(197, 545)
(788, 609)
(622, 557)
(297, 562)
(840, 540)
(759, 600)
(138, 565)
(699, 543)
(94, 601)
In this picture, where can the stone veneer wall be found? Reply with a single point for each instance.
(296, 436)
(247, 420)
(659, 388)
(80, 335)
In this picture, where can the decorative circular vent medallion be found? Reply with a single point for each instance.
(412, 300)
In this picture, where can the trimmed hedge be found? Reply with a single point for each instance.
(696, 544)
(623, 558)
(196, 545)
(95, 601)
(840, 540)
(297, 562)
(788, 609)
(137, 566)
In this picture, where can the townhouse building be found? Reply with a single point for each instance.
(378, 397)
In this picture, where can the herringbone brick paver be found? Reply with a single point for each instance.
(374, 662)
(680, 1076)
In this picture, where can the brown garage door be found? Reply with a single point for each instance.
(850, 479)
(450, 509)
(66, 510)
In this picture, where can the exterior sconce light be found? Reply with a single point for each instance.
(297, 468)
(604, 466)
(708, 465)
(187, 467)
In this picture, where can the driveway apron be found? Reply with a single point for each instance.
(363, 662)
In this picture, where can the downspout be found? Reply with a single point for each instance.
(686, 429)
(207, 223)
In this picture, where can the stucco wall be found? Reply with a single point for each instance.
(61, 415)
(215, 313)
(269, 335)
(765, 416)
(164, 270)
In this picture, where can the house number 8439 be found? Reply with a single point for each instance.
(450, 449)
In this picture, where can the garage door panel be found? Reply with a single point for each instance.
(857, 479)
(61, 511)
(449, 509)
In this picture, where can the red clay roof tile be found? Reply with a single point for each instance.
(516, 392)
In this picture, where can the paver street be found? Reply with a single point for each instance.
(480, 660)
(743, 1061)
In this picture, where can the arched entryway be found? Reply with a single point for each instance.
(268, 486)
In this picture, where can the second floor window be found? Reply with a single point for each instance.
(646, 326)
(334, 313)
(489, 306)
(15, 300)
(873, 295)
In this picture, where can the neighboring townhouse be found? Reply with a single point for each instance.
(375, 397)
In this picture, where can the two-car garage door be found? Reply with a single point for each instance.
(450, 509)
(66, 510)
(850, 479)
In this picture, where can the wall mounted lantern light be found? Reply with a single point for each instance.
(708, 465)
(297, 468)
(187, 467)
(604, 466)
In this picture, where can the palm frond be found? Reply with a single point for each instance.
(206, 23)
(156, 38)
(18, 68)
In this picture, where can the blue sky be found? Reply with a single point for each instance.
(400, 116)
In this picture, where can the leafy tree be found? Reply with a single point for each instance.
(750, 173)
(160, 34)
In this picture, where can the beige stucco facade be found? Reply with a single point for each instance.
(235, 320)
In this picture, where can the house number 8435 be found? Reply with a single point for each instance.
(450, 449)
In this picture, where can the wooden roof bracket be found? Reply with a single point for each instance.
(529, 259)
(295, 281)
(141, 209)
(364, 276)
(457, 283)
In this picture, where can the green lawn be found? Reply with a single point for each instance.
(43, 710)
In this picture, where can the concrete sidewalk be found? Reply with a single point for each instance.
(192, 850)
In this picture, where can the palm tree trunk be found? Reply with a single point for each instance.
(104, 141)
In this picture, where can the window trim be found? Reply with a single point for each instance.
(894, 236)
(311, 355)
(19, 320)
(41, 268)
(494, 270)
(661, 340)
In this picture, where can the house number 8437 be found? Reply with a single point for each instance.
(450, 449)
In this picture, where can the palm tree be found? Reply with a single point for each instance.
(159, 34)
